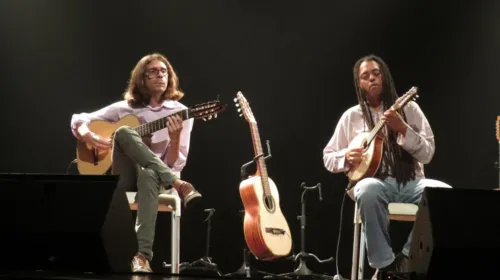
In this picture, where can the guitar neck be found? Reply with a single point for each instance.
(375, 130)
(153, 126)
(261, 164)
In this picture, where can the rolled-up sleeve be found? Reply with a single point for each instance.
(334, 152)
(419, 138)
(183, 146)
(108, 113)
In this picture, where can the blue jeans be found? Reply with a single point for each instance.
(373, 196)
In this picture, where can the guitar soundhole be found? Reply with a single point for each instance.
(364, 144)
(269, 203)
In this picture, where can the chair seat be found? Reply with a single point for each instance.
(402, 211)
(166, 202)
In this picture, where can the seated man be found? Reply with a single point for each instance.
(408, 145)
(153, 164)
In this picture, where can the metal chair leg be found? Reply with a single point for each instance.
(361, 261)
(355, 244)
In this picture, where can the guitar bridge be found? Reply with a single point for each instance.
(275, 231)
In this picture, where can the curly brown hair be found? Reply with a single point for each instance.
(138, 94)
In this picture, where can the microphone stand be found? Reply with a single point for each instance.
(205, 263)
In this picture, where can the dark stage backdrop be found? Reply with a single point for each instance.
(294, 64)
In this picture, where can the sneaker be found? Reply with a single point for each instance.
(140, 264)
(403, 263)
(188, 194)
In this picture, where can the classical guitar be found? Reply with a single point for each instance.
(266, 230)
(91, 161)
(373, 143)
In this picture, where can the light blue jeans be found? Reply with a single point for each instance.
(373, 196)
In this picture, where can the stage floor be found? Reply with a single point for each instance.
(152, 276)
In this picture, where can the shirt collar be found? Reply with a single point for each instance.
(168, 104)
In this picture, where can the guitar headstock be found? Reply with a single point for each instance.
(407, 97)
(498, 129)
(207, 111)
(244, 107)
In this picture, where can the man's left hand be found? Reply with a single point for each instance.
(394, 121)
(174, 124)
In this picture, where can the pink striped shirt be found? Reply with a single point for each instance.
(160, 139)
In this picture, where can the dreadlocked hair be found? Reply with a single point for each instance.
(401, 162)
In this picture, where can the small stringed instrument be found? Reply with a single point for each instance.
(373, 143)
(92, 161)
(266, 230)
(498, 129)
(498, 139)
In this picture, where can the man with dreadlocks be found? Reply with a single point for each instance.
(408, 145)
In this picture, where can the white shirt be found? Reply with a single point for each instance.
(418, 141)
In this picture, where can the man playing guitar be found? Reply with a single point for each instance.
(408, 144)
(152, 164)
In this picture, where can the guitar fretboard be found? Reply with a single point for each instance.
(153, 126)
(261, 164)
(375, 131)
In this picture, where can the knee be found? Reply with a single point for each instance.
(430, 183)
(147, 178)
(367, 190)
(123, 132)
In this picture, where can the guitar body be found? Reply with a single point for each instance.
(266, 231)
(371, 159)
(90, 161)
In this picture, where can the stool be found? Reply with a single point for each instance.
(397, 212)
(167, 203)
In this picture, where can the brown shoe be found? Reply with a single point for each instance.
(140, 264)
(189, 195)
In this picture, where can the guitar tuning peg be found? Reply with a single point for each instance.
(204, 119)
(239, 110)
(236, 100)
(237, 104)
(215, 115)
(240, 115)
(210, 117)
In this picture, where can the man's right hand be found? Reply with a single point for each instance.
(93, 139)
(354, 156)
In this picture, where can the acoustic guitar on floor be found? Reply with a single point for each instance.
(91, 161)
(266, 230)
(373, 144)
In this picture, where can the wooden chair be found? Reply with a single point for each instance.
(167, 202)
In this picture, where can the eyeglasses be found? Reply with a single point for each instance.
(154, 72)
